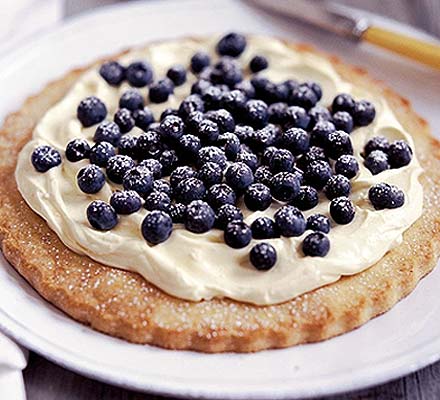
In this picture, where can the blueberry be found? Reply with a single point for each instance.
(149, 145)
(277, 113)
(172, 127)
(160, 91)
(399, 154)
(342, 210)
(199, 217)
(211, 154)
(177, 74)
(248, 158)
(167, 112)
(318, 223)
(139, 74)
(291, 84)
(247, 88)
(258, 63)
(296, 140)
(243, 132)
(181, 173)
(112, 72)
(237, 234)
(318, 173)
(337, 186)
(318, 113)
(315, 87)
(208, 131)
(239, 176)
(384, 195)
(143, 118)
(343, 121)
(161, 185)
(77, 149)
(234, 102)
(338, 144)
(376, 162)
(290, 221)
(157, 227)
(296, 117)
(139, 179)
(272, 92)
(117, 166)
(306, 199)
(262, 138)
(220, 194)
(199, 61)
(189, 146)
(100, 153)
(126, 202)
(101, 215)
(226, 214)
(263, 256)
(192, 122)
(343, 102)
(257, 197)
(200, 85)
(154, 166)
(281, 160)
(212, 96)
(107, 132)
(285, 186)
(256, 113)
(268, 154)
(189, 189)
(91, 111)
(264, 228)
(232, 44)
(314, 154)
(210, 173)
(320, 133)
(190, 104)
(169, 161)
(131, 100)
(157, 201)
(376, 143)
(263, 175)
(177, 212)
(299, 175)
(363, 113)
(226, 72)
(347, 165)
(223, 119)
(303, 96)
(316, 244)
(124, 120)
(90, 179)
(230, 144)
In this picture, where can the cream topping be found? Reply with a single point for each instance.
(201, 266)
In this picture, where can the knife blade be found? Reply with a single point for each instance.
(319, 13)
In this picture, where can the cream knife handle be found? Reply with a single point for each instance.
(417, 50)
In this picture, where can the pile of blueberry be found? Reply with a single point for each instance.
(230, 138)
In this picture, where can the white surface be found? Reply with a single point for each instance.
(402, 340)
(13, 359)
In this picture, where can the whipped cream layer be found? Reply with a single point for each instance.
(201, 266)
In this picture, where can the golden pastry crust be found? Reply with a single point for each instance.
(123, 304)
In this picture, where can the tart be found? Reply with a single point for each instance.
(216, 195)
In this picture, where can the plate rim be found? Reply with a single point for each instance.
(84, 367)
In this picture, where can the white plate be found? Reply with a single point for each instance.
(397, 343)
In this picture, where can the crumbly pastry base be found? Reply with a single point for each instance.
(125, 305)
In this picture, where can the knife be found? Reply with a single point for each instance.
(328, 17)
